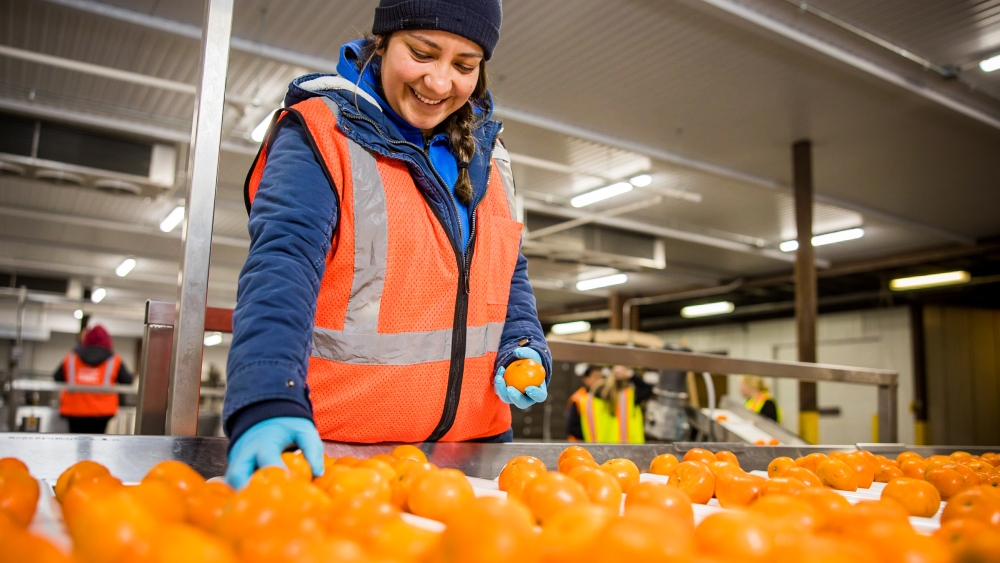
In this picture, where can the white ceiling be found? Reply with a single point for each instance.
(646, 84)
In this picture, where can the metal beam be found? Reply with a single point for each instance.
(89, 271)
(580, 221)
(806, 291)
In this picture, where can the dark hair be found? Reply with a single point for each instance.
(458, 126)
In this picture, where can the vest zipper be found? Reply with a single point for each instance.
(458, 344)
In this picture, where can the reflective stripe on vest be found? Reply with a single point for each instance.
(382, 348)
(756, 403)
(624, 425)
(80, 403)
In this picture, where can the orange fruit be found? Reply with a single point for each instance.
(160, 499)
(19, 493)
(402, 483)
(826, 502)
(358, 482)
(796, 548)
(914, 468)
(379, 465)
(362, 520)
(956, 534)
(728, 456)
(551, 493)
(970, 476)
(864, 469)
(864, 517)
(178, 542)
(978, 503)
(980, 549)
(108, 526)
(977, 465)
(177, 474)
(19, 546)
(663, 464)
(918, 497)
(807, 477)
(695, 479)
(402, 541)
(789, 512)
(12, 464)
(837, 474)
(735, 536)
(643, 534)
(781, 486)
(947, 480)
(624, 470)
(778, 465)
(574, 451)
(811, 461)
(408, 451)
(872, 459)
(908, 546)
(85, 491)
(384, 457)
(960, 455)
(515, 465)
(297, 466)
(661, 497)
(438, 494)
(735, 490)
(991, 480)
(523, 374)
(699, 454)
(347, 460)
(717, 467)
(886, 473)
(522, 479)
(601, 488)
(569, 536)
(490, 530)
(568, 464)
(78, 469)
(908, 455)
(324, 480)
(278, 503)
(205, 505)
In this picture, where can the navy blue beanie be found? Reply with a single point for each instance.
(476, 20)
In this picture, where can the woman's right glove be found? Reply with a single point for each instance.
(262, 445)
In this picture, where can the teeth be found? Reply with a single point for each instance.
(425, 100)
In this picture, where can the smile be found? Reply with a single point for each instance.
(427, 101)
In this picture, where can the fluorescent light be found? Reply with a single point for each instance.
(600, 194)
(213, 339)
(173, 219)
(917, 282)
(708, 309)
(990, 64)
(98, 294)
(824, 239)
(641, 181)
(78, 314)
(257, 135)
(586, 285)
(125, 267)
(571, 328)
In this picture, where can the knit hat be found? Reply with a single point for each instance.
(97, 336)
(476, 20)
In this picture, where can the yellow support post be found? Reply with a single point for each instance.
(809, 426)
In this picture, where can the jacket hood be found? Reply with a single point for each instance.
(93, 355)
(349, 86)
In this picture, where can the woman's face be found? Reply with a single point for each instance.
(428, 74)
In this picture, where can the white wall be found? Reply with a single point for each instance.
(878, 338)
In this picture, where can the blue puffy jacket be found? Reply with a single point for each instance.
(291, 228)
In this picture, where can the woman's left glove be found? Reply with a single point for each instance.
(508, 394)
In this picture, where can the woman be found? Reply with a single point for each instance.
(93, 362)
(758, 397)
(606, 409)
(384, 293)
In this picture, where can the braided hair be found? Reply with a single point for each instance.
(458, 126)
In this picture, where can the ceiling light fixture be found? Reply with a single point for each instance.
(125, 267)
(990, 64)
(173, 219)
(933, 280)
(600, 194)
(98, 294)
(596, 283)
(641, 181)
(213, 339)
(574, 327)
(257, 135)
(707, 310)
(78, 314)
(824, 239)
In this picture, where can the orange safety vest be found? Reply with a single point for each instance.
(396, 356)
(78, 403)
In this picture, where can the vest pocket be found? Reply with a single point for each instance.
(505, 245)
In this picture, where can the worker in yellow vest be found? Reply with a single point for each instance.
(606, 409)
(758, 397)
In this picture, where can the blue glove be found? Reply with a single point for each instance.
(510, 395)
(263, 443)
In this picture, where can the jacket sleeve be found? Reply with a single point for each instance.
(521, 325)
(60, 373)
(124, 375)
(291, 225)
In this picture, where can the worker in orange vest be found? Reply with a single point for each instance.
(384, 294)
(91, 363)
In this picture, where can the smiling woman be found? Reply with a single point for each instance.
(384, 294)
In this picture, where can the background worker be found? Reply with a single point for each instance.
(606, 409)
(384, 293)
(758, 397)
(92, 362)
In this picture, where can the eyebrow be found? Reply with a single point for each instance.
(434, 45)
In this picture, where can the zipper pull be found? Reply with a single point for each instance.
(468, 284)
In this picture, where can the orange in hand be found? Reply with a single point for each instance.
(523, 374)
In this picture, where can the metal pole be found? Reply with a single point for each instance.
(203, 171)
(805, 287)
(615, 306)
(887, 426)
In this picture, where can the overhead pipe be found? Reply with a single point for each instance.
(678, 296)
